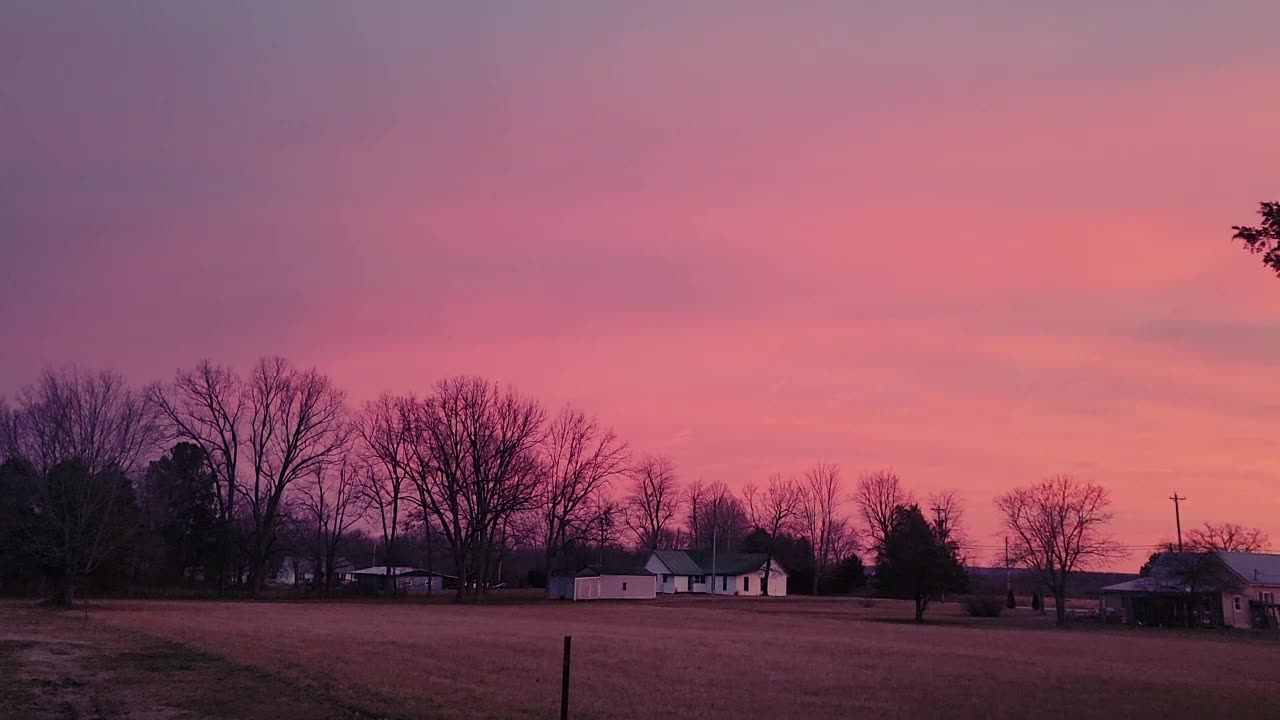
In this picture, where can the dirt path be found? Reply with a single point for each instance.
(57, 666)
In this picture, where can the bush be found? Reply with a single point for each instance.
(983, 606)
(868, 602)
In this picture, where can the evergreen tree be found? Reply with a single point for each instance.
(915, 562)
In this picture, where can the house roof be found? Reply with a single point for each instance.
(699, 562)
(729, 563)
(597, 571)
(1184, 572)
(678, 562)
(1145, 585)
(399, 571)
(1253, 567)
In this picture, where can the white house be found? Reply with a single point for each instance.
(295, 570)
(1231, 589)
(604, 583)
(679, 571)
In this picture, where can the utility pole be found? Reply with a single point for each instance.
(713, 560)
(1177, 515)
(940, 530)
(1008, 580)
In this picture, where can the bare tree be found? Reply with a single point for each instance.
(384, 439)
(773, 510)
(8, 431)
(333, 503)
(606, 524)
(695, 498)
(1227, 537)
(85, 434)
(723, 519)
(654, 500)
(298, 424)
(474, 449)
(1059, 526)
(878, 496)
(580, 458)
(947, 508)
(819, 514)
(205, 406)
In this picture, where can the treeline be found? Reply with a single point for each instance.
(211, 478)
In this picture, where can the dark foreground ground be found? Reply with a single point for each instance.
(721, 658)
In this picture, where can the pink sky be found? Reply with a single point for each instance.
(977, 246)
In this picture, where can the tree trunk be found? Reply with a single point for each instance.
(461, 566)
(768, 566)
(67, 593)
(257, 576)
(921, 604)
(431, 577)
(1060, 605)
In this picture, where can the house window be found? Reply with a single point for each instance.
(624, 587)
(1268, 597)
(746, 584)
(666, 578)
(1237, 602)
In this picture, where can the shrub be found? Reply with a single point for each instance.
(983, 606)
(868, 602)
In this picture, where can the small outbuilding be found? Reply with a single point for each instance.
(596, 582)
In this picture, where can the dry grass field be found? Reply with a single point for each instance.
(722, 658)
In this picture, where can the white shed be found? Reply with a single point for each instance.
(604, 583)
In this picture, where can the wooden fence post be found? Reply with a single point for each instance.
(564, 681)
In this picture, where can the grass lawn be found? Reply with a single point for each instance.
(714, 658)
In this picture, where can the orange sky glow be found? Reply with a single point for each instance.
(977, 246)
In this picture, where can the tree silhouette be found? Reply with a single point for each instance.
(1264, 239)
(916, 563)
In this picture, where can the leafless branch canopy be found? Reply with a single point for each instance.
(653, 502)
(1058, 526)
(827, 530)
(1227, 537)
(878, 496)
(579, 460)
(474, 459)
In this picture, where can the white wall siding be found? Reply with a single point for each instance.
(604, 587)
(627, 587)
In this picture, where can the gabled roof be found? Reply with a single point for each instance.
(1253, 567)
(399, 571)
(597, 571)
(1182, 572)
(1146, 585)
(678, 562)
(729, 563)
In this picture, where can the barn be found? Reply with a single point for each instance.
(596, 582)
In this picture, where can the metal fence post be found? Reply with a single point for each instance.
(564, 681)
